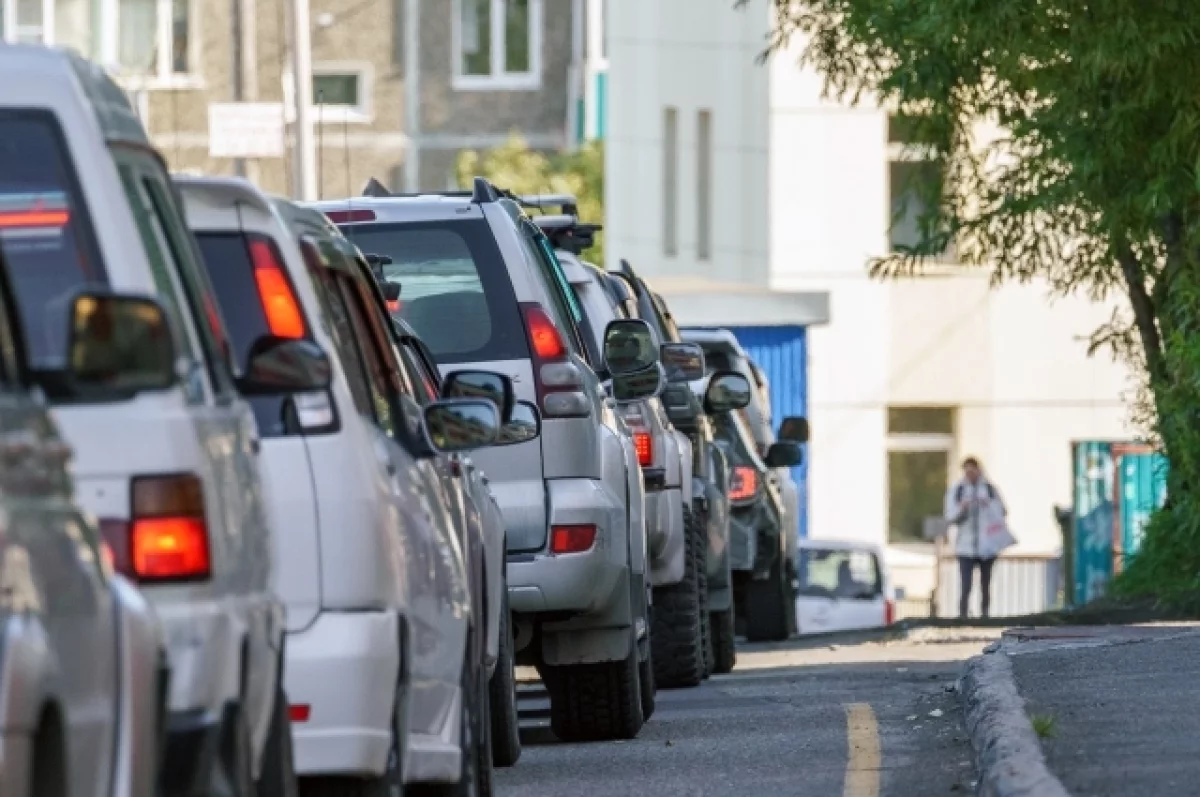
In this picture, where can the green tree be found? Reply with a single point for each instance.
(522, 170)
(1094, 185)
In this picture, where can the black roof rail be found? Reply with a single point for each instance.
(376, 189)
(483, 191)
(626, 269)
(568, 233)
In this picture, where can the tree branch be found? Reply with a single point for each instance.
(1143, 313)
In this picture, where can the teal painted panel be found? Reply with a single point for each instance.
(1094, 515)
(601, 105)
(1143, 490)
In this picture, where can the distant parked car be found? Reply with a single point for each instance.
(384, 659)
(83, 669)
(143, 391)
(481, 285)
(844, 585)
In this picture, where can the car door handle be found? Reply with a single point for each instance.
(255, 446)
(390, 467)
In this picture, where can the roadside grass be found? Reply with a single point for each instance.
(1044, 725)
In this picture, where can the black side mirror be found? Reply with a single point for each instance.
(481, 385)
(784, 455)
(285, 365)
(525, 425)
(794, 429)
(461, 424)
(118, 346)
(391, 290)
(727, 391)
(684, 362)
(629, 346)
(645, 384)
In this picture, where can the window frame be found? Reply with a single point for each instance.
(338, 113)
(162, 76)
(498, 77)
(670, 182)
(898, 442)
(704, 184)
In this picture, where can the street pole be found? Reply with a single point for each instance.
(305, 153)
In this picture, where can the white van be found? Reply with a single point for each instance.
(844, 586)
(165, 449)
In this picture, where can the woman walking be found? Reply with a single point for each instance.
(969, 503)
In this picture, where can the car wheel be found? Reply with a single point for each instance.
(677, 636)
(388, 784)
(278, 777)
(596, 702)
(723, 644)
(767, 615)
(647, 686)
(502, 697)
(702, 579)
(233, 774)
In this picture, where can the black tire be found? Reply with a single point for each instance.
(677, 635)
(702, 578)
(596, 702)
(233, 764)
(49, 767)
(388, 784)
(502, 697)
(723, 643)
(767, 615)
(647, 687)
(278, 778)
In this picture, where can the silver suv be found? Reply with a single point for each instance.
(480, 284)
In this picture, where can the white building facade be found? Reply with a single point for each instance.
(788, 196)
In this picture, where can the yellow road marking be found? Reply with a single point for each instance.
(862, 744)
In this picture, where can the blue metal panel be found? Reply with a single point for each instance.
(782, 354)
(1094, 517)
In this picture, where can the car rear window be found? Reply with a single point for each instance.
(45, 234)
(839, 573)
(454, 288)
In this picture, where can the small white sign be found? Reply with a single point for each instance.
(245, 130)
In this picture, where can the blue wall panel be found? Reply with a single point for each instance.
(782, 354)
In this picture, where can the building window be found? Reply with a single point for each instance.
(342, 92)
(915, 178)
(25, 21)
(920, 443)
(704, 185)
(498, 44)
(670, 182)
(156, 42)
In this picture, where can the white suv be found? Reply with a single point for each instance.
(480, 284)
(385, 663)
(165, 457)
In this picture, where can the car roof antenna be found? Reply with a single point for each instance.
(376, 189)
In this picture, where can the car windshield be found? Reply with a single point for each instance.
(454, 290)
(839, 573)
(45, 234)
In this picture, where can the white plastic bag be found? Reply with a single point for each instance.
(994, 535)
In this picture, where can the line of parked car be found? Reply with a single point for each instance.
(288, 492)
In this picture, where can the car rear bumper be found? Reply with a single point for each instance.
(752, 527)
(665, 529)
(204, 645)
(345, 669)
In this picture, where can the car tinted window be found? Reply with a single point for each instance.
(839, 573)
(45, 234)
(455, 290)
(384, 398)
(342, 332)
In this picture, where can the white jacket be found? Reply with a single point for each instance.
(966, 521)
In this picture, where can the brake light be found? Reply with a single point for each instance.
(168, 534)
(889, 612)
(299, 712)
(284, 318)
(343, 216)
(571, 539)
(644, 444)
(743, 483)
(34, 218)
(544, 337)
(393, 305)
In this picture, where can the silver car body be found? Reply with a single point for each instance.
(370, 567)
(582, 470)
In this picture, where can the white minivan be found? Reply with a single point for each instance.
(165, 449)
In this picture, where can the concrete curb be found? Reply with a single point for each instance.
(1008, 755)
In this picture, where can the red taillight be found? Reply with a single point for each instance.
(34, 218)
(284, 318)
(299, 712)
(743, 483)
(544, 337)
(393, 305)
(644, 444)
(571, 539)
(889, 612)
(168, 535)
(343, 216)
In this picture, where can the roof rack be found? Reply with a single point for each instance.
(567, 202)
(482, 191)
(568, 233)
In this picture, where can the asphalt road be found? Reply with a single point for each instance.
(858, 721)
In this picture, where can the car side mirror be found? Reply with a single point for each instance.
(684, 362)
(784, 455)
(285, 365)
(645, 384)
(629, 346)
(727, 391)
(391, 290)
(119, 346)
(481, 385)
(525, 425)
(794, 429)
(453, 425)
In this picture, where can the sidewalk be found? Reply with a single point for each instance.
(1118, 707)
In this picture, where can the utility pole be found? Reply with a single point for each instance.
(305, 153)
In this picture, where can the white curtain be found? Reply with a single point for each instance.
(138, 24)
